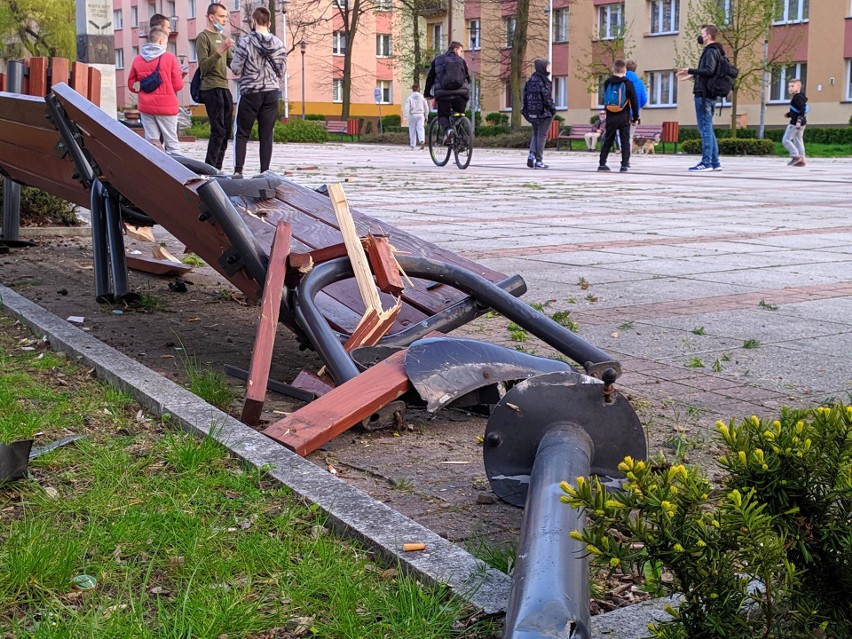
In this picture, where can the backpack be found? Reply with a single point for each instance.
(722, 83)
(615, 97)
(451, 73)
(152, 81)
(195, 86)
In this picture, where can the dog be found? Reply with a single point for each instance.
(644, 146)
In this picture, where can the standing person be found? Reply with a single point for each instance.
(416, 109)
(448, 82)
(619, 101)
(214, 56)
(539, 110)
(704, 101)
(641, 95)
(794, 136)
(158, 107)
(159, 21)
(598, 127)
(260, 61)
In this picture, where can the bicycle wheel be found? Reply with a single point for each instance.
(463, 147)
(439, 152)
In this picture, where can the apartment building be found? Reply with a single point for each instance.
(314, 35)
(575, 34)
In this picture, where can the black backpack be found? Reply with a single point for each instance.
(451, 72)
(722, 82)
(195, 87)
(152, 81)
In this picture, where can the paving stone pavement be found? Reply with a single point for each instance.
(683, 271)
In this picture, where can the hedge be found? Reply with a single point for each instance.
(734, 146)
(814, 135)
(296, 130)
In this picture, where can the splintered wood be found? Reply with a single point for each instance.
(376, 320)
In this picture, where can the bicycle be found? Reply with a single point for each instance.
(461, 146)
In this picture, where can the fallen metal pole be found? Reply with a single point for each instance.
(115, 241)
(550, 597)
(100, 252)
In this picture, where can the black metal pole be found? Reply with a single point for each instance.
(115, 240)
(11, 210)
(99, 241)
(550, 596)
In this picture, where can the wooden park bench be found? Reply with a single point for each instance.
(575, 132)
(348, 127)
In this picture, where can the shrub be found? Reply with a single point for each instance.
(769, 555)
(42, 209)
(491, 131)
(386, 138)
(299, 131)
(315, 116)
(495, 118)
(199, 129)
(734, 146)
(390, 122)
(502, 140)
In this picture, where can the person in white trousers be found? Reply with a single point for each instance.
(415, 110)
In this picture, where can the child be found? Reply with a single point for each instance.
(793, 139)
(622, 109)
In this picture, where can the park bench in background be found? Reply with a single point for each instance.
(343, 127)
(576, 132)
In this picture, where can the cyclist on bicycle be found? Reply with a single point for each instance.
(449, 83)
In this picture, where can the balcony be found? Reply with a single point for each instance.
(433, 8)
(145, 27)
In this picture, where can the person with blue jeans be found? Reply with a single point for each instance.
(704, 102)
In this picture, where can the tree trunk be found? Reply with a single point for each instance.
(418, 65)
(519, 49)
(271, 8)
(350, 24)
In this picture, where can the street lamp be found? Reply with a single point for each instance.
(284, 4)
(302, 46)
(474, 102)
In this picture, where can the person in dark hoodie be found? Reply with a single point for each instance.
(539, 110)
(704, 102)
(448, 81)
(260, 61)
(622, 108)
(793, 139)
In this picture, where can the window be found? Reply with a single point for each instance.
(724, 8)
(507, 96)
(338, 43)
(662, 88)
(386, 87)
(610, 21)
(474, 95)
(172, 48)
(664, 16)
(435, 36)
(384, 47)
(560, 91)
(134, 16)
(117, 20)
(171, 8)
(235, 5)
(337, 90)
(383, 5)
(601, 80)
(119, 58)
(190, 14)
(509, 29)
(781, 76)
(849, 79)
(193, 51)
(560, 25)
(791, 11)
(341, 4)
(473, 29)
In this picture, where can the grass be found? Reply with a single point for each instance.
(191, 259)
(210, 385)
(182, 540)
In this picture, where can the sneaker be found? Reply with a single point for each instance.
(717, 168)
(624, 169)
(540, 165)
(603, 167)
(450, 137)
(701, 167)
(238, 175)
(531, 160)
(793, 160)
(800, 162)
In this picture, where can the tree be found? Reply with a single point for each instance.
(38, 27)
(412, 54)
(596, 62)
(516, 60)
(744, 30)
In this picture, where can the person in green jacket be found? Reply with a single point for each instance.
(214, 56)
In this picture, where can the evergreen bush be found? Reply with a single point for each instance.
(734, 146)
(43, 209)
(300, 131)
(768, 555)
(495, 118)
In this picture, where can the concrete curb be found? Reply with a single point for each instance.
(350, 511)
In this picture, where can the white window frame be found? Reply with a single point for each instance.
(119, 58)
(338, 43)
(662, 24)
(171, 8)
(510, 23)
(560, 25)
(601, 79)
(560, 92)
(725, 6)
(849, 80)
(190, 13)
(386, 87)
(436, 32)
(235, 5)
(777, 90)
(474, 35)
(117, 20)
(662, 89)
(340, 4)
(610, 21)
(337, 90)
(792, 11)
(384, 5)
(193, 51)
(507, 96)
(384, 45)
(134, 16)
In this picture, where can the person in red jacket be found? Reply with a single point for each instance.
(158, 108)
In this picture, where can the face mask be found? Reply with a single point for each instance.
(218, 27)
(700, 39)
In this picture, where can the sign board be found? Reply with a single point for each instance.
(377, 95)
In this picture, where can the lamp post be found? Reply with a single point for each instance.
(182, 58)
(284, 4)
(474, 103)
(302, 46)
